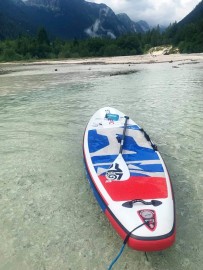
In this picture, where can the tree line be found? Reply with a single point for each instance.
(188, 39)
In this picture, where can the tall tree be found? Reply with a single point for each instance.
(42, 36)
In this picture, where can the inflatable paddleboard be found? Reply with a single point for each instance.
(129, 180)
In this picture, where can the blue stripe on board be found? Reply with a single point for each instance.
(151, 167)
(103, 159)
(139, 174)
(146, 168)
(96, 141)
(131, 145)
(134, 127)
(105, 167)
(95, 192)
(141, 155)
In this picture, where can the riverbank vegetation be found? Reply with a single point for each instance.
(187, 39)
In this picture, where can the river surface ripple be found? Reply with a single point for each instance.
(49, 218)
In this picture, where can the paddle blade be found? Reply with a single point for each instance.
(118, 171)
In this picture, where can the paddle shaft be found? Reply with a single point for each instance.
(119, 171)
(123, 137)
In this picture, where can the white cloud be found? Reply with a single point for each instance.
(154, 12)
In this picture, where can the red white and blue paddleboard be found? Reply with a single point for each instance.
(129, 180)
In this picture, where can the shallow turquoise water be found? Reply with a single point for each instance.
(49, 218)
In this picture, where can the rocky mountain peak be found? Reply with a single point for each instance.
(49, 4)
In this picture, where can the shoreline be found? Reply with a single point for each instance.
(133, 59)
(153, 58)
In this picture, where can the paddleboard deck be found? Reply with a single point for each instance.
(133, 188)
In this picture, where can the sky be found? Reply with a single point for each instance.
(162, 12)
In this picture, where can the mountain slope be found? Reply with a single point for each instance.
(188, 33)
(14, 19)
(139, 27)
(80, 19)
(65, 19)
(194, 16)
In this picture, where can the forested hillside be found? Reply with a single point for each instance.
(40, 47)
(187, 36)
(188, 33)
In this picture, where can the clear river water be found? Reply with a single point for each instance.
(49, 218)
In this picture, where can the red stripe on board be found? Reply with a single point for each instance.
(137, 187)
